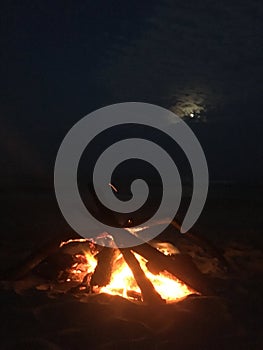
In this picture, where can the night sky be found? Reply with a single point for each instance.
(62, 59)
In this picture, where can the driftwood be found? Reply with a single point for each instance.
(32, 261)
(181, 266)
(103, 271)
(149, 294)
(205, 244)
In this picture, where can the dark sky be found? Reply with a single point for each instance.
(62, 59)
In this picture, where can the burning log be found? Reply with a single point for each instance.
(103, 271)
(180, 266)
(149, 294)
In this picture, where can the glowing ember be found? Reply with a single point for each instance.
(84, 266)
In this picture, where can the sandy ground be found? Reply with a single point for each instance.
(232, 221)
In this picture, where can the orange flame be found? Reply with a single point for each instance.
(123, 282)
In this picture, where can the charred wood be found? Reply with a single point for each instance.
(103, 271)
(181, 266)
(149, 294)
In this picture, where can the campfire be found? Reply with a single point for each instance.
(78, 289)
(123, 273)
(151, 273)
